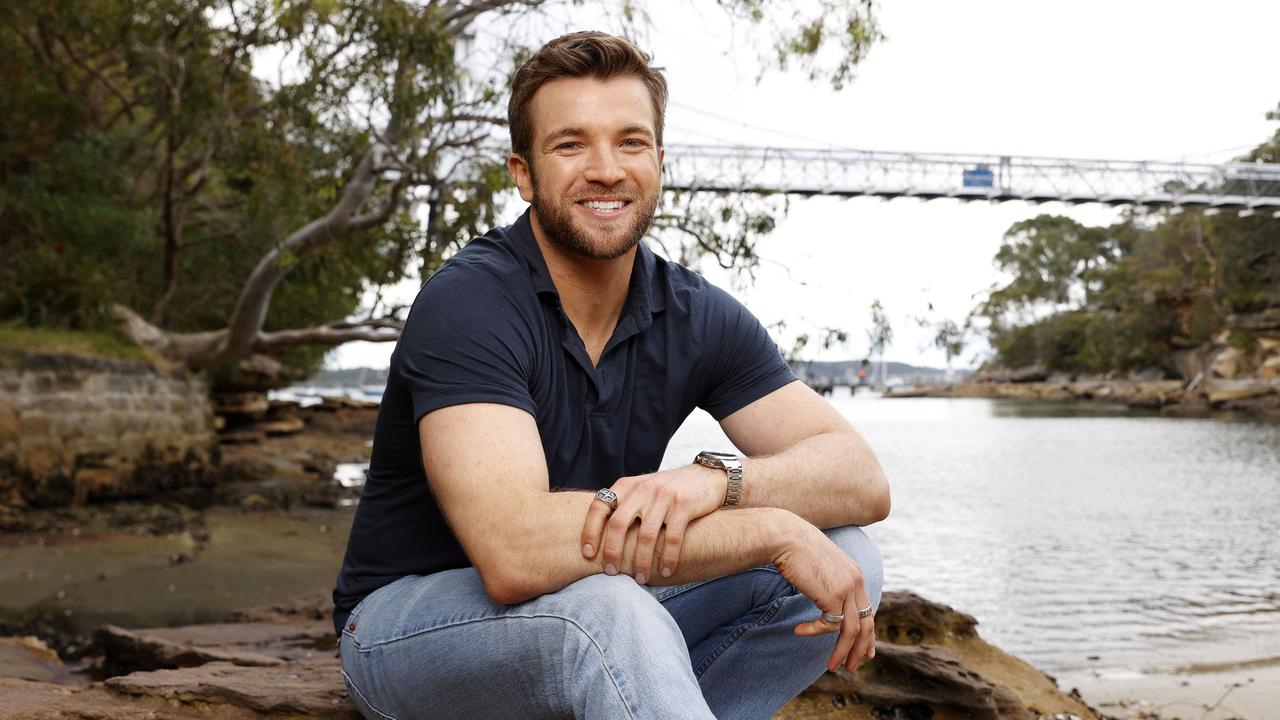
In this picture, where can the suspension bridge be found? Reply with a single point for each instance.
(1244, 188)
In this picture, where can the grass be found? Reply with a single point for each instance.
(70, 342)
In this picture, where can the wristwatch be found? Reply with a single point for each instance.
(731, 464)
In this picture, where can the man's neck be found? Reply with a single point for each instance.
(592, 292)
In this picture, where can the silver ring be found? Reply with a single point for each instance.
(865, 612)
(833, 619)
(608, 497)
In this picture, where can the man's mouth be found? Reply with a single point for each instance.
(604, 208)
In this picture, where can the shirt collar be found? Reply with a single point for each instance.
(644, 297)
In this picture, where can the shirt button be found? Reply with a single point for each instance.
(352, 626)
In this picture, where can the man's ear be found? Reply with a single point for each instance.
(520, 173)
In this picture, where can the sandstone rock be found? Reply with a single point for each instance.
(1271, 368)
(27, 700)
(339, 402)
(309, 688)
(1231, 363)
(902, 675)
(247, 405)
(1221, 391)
(30, 658)
(10, 430)
(126, 649)
(284, 426)
(242, 437)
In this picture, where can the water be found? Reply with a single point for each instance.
(1079, 536)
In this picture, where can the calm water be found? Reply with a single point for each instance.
(1076, 532)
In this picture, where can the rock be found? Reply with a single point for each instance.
(1270, 369)
(931, 663)
(308, 688)
(1027, 375)
(1231, 363)
(127, 650)
(283, 426)
(240, 405)
(340, 402)
(1222, 391)
(904, 675)
(30, 658)
(242, 437)
(27, 700)
(1265, 322)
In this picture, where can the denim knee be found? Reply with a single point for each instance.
(857, 545)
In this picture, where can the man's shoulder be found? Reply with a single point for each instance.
(493, 253)
(690, 292)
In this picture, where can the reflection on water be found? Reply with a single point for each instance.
(1073, 531)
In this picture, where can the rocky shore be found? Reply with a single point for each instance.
(136, 610)
(280, 661)
(1251, 397)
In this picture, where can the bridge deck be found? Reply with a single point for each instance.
(1242, 187)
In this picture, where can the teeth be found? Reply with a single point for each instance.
(610, 205)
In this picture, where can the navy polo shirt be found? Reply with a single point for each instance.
(488, 328)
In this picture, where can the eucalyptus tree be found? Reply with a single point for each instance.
(227, 179)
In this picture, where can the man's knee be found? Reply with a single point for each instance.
(616, 602)
(857, 545)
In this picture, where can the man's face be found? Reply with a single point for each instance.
(595, 170)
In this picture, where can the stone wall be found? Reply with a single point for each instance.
(74, 429)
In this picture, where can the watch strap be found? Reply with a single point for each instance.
(732, 465)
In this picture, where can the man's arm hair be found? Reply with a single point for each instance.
(486, 466)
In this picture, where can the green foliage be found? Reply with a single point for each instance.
(143, 162)
(69, 342)
(1084, 299)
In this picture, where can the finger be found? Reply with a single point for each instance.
(615, 536)
(871, 646)
(866, 629)
(814, 628)
(593, 526)
(647, 539)
(676, 525)
(848, 634)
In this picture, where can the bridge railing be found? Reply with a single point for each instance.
(1242, 187)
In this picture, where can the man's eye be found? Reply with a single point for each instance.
(635, 143)
(568, 146)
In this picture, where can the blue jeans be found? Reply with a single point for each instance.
(601, 648)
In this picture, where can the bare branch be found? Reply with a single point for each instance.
(331, 334)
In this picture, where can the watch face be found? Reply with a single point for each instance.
(714, 459)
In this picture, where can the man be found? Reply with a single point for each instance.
(560, 353)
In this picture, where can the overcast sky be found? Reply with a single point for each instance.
(1132, 80)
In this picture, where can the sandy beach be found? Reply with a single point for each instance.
(1247, 691)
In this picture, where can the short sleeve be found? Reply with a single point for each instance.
(468, 339)
(743, 362)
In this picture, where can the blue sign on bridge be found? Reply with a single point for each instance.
(979, 177)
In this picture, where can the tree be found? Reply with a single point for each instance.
(879, 336)
(1087, 299)
(152, 178)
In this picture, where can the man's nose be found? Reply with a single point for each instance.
(603, 167)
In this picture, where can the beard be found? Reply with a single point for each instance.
(556, 217)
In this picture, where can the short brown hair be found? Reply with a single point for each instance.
(581, 54)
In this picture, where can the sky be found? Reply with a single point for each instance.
(1133, 80)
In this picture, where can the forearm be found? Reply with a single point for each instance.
(549, 554)
(831, 479)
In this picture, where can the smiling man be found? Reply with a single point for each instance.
(561, 354)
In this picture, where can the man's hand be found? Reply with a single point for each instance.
(821, 570)
(672, 498)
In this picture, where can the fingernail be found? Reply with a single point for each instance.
(873, 652)
(666, 571)
(588, 550)
(640, 577)
(609, 569)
